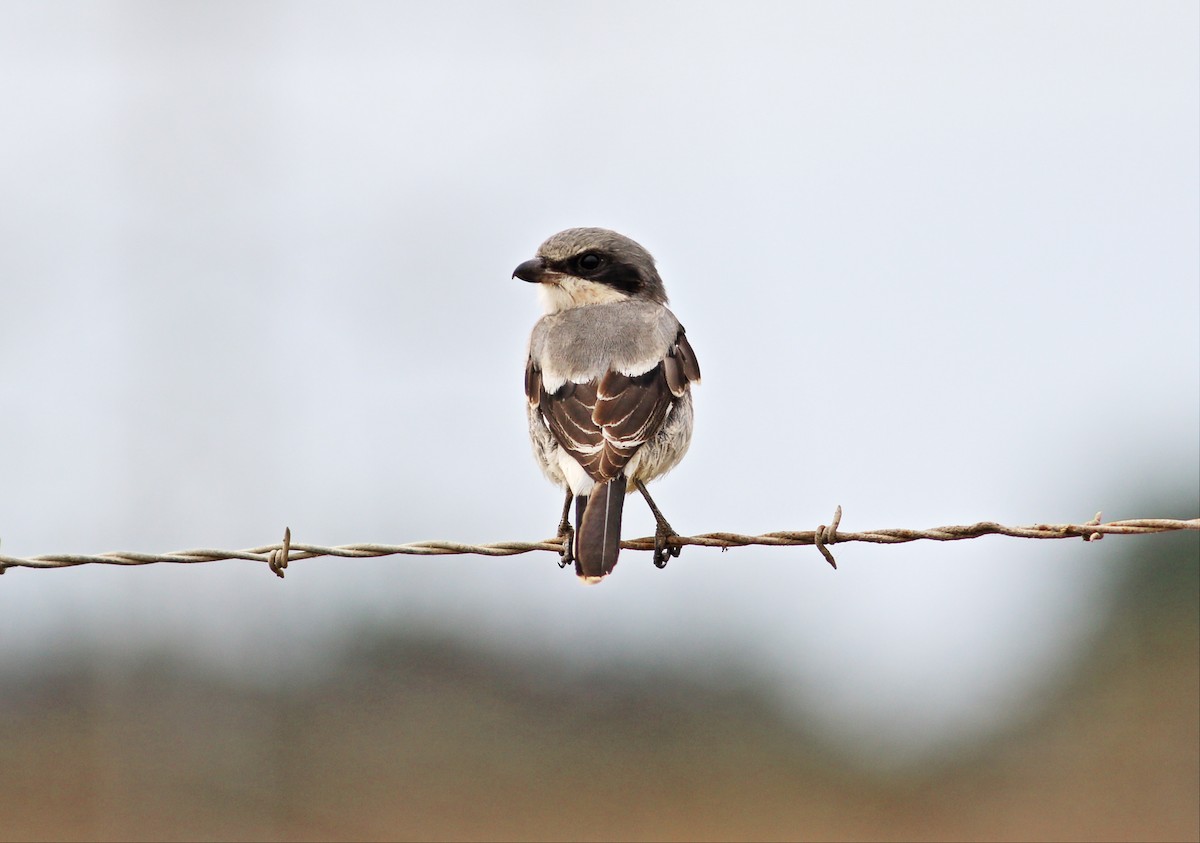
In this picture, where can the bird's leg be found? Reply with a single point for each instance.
(662, 532)
(566, 533)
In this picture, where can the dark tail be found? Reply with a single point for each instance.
(598, 529)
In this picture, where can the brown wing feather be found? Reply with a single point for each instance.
(603, 422)
(673, 371)
(533, 382)
(687, 358)
(568, 414)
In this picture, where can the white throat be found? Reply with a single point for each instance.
(563, 292)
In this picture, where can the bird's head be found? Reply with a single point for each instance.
(583, 266)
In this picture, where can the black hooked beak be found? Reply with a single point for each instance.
(531, 271)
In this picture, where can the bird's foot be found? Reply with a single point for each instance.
(663, 550)
(566, 534)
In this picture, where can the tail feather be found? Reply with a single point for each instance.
(598, 529)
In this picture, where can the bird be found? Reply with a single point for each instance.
(608, 383)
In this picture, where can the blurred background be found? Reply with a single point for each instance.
(255, 272)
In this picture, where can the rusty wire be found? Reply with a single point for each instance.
(277, 556)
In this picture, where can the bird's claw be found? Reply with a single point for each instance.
(663, 551)
(566, 535)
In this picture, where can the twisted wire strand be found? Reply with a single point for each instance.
(277, 556)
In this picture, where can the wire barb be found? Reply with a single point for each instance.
(277, 556)
(828, 535)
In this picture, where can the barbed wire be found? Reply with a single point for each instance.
(278, 556)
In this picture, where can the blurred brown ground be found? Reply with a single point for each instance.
(425, 740)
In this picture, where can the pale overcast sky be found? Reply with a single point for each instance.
(255, 272)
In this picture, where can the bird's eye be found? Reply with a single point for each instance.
(589, 261)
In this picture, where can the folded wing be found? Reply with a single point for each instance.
(602, 422)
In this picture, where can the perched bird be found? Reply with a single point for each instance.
(609, 381)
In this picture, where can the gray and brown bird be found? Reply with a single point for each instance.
(608, 379)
